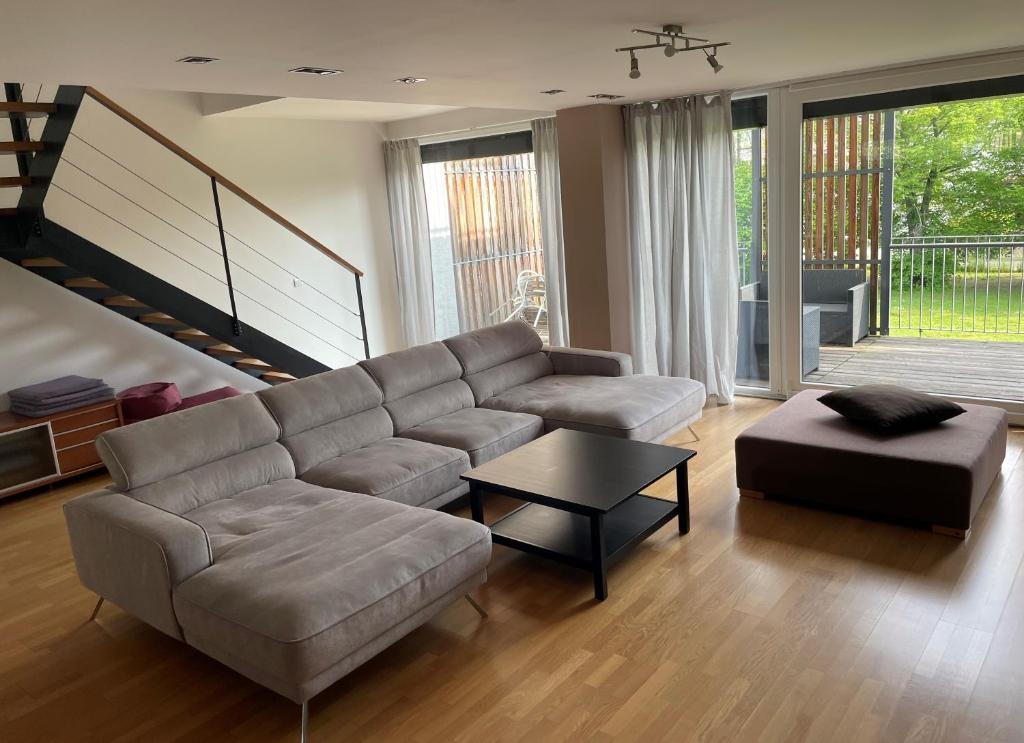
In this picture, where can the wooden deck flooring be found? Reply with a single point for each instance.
(961, 368)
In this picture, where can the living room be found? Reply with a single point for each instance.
(414, 373)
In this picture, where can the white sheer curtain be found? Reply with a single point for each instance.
(410, 236)
(545, 154)
(682, 214)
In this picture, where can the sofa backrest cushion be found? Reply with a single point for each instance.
(327, 415)
(499, 357)
(420, 384)
(184, 459)
(832, 285)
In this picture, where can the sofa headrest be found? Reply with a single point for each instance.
(488, 347)
(153, 450)
(418, 368)
(321, 399)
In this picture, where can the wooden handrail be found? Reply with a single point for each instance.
(195, 162)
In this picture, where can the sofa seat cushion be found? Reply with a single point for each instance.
(398, 469)
(483, 434)
(640, 407)
(302, 589)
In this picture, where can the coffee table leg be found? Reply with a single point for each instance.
(597, 557)
(476, 505)
(683, 498)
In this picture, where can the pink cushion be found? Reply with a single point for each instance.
(204, 397)
(149, 400)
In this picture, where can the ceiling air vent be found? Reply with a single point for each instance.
(198, 60)
(322, 71)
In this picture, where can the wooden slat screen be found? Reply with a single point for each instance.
(842, 195)
(495, 224)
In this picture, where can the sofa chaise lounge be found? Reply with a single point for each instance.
(291, 534)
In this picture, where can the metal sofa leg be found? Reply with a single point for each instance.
(96, 609)
(304, 725)
(693, 433)
(475, 605)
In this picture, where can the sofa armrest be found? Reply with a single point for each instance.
(593, 363)
(134, 554)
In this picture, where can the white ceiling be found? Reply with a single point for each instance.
(329, 110)
(485, 53)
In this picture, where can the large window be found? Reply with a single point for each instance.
(913, 239)
(485, 233)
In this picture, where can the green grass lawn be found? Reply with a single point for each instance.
(995, 315)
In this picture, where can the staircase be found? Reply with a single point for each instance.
(35, 243)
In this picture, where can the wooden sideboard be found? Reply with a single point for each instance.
(40, 451)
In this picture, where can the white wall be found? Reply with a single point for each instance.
(326, 177)
(49, 332)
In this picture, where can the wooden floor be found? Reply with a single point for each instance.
(768, 622)
(962, 368)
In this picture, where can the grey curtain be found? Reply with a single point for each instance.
(545, 153)
(410, 236)
(682, 220)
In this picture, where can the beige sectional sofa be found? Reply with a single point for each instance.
(291, 534)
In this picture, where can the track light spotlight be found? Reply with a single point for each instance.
(713, 61)
(672, 40)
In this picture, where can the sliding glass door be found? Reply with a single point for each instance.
(912, 266)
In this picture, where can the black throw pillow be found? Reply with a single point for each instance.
(889, 408)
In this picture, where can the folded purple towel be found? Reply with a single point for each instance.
(55, 387)
(35, 410)
(73, 399)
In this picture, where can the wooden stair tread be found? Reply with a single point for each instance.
(42, 263)
(224, 349)
(10, 147)
(276, 378)
(85, 283)
(158, 318)
(26, 108)
(14, 181)
(194, 335)
(249, 363)
(123, 300)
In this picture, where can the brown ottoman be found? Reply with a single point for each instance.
(806, 452)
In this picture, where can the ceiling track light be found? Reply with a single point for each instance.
(410, 80)
(671, 39)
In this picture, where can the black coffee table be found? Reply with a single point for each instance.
(584, 504)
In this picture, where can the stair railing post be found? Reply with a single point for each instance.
(236, 327)
(362, 315)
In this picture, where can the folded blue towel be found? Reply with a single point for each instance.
(55, 388)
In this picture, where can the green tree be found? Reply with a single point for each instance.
(959, 168)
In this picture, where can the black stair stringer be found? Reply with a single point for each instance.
(85, 256)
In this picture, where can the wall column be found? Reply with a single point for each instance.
(591, 156)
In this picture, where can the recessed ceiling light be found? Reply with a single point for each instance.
(605, 96)
(410, 80)
(553, 91)
(198, 60)
(322, 71)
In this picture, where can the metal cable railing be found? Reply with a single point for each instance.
(301, 313)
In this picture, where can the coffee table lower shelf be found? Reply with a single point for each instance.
(569, 537)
